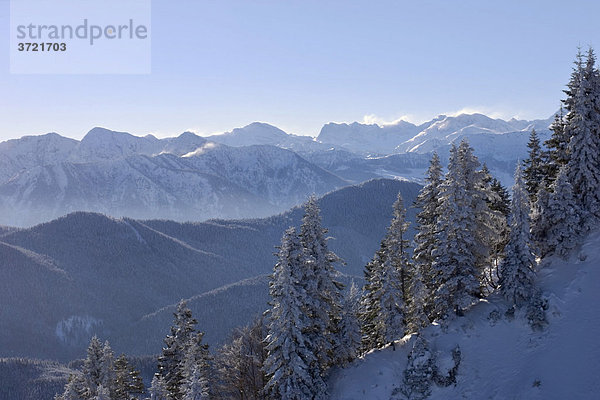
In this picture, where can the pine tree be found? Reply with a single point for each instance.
(583, 126)
(103, 393)
(395, 275)
(127, 380)
(419, 372)
(108, 369)
(75, 389)
(158, 389)
(370, 303)
(517, 271)
(323, 292)
(416, 316)
(562, 217)
(427, 218)
(534, 167)
(170, 363)
(196, 368)
(350, 344)
(540, 223)
(501, 201)
(557, 154)
(292, 367)
(92, 367)
(196, 385)
(455, 267)
(496, 214)
(387, 284)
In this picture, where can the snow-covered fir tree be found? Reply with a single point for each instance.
(517, 270)
(416, 315)
(562, 217)
(292, 367)
(350, 333)
(93, 366)
(102, 393)
(387, 278)
(540, 224)
(419, 372)
(583, 127)
(534, 167)
(74, 389)
(128, 382)
(170, 362)
(108, 369)
(425, 238)
(370, 303)
(102, 377)
(455, 269)
(323, 292)
(158, 389)
(196, 369)
(196, 385)
(557, 154)
(496, 215)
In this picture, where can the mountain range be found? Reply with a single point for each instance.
(86, 273)
(254, 171)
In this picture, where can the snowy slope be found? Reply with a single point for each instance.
(182, 178)
(262, 133)
(505, 359)
(367, 138)
(30, 151)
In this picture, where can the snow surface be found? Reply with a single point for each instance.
(505, 359)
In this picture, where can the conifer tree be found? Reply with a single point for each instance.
(92, 367)
(196, 368)
(100, 377)
(496, 214)
(158, 389)
(427, 202)
(563, 217)
(557, 154)
(292, 367)
(418, 375)
(349, 346)
(416, 316)
(128, 382)
(517, 271)
(386, 291)
(583, 126)
(170, 363)
(323, 292)
(540, 223)
(108, 369)
(370, 303)
(534, 167)
(455, 267)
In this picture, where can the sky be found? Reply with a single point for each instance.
(218, 65)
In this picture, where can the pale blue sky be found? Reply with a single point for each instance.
(217, 65)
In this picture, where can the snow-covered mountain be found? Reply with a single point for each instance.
(252, 171)
(501, 357)
(403, 137)
(262, 133)
(367, 138)
(183, 178)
